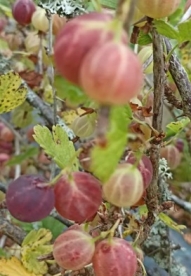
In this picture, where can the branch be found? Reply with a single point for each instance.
(171, 98)
(16, 133)
(181, 203)
(66, 222)
(159, 81)
(180, 78)
(12, 231)
(3, 188)
(44, 109)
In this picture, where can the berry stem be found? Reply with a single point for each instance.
(125, 12)
(103, 122)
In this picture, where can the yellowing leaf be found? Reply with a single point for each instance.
(37, 237)
(56, 145)
(170, 223)
(36, 244)
(48, 95)
(13, 267)
(30, 258)
(175, 128)
(70, 115)
(12, 91)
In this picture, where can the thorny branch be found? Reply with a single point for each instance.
(159, 80)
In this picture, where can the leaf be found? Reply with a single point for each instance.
(164, 28)
(185, 30)
(66, 90)
(22, 116)
(13, 267)
(105, 159)
(27, 226)
(12, 91)
(174, 18)
(37, 237)
(18, 159)
(56, 145)
(56, 227)
(170, 223)
(3, 253)
(112, 4)
(6, 10)
(144, 39)
(48, 95)
(36, 244)
(143, 211)
(70, 115)
(175, 128)
(31, 77)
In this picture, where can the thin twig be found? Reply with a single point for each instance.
(50, 69)
(50, 73)
(2, 241)
(181, 203)
(171, 98)
(66, 222)
(17, 152)
(40, 55)
(11, 128)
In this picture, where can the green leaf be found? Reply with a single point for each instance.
(36, 244)
(18, 159)
(166, 29)
(3, 253)
(68, 91)
(112, 4)
(175, 128)
(185, 30)
(26, 226)
(174, 18)
(56, 227)
(143, 210)
(12, 91)
(170, 223)
(105, 158)
(144, 39)
(57, 145)
(6, 9)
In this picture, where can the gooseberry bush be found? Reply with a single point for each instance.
(94, 134)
